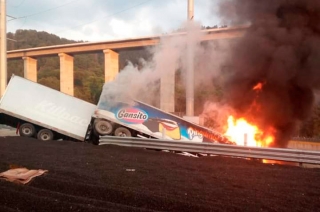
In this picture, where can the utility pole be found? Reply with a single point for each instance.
(3, 47)
(190, 10)
(190, 63)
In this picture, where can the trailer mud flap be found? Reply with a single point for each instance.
(90, 136)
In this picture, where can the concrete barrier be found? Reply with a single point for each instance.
(7, 132)
(304, 145)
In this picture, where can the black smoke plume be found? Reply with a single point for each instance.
(281, 49)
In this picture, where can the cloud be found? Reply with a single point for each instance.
(105, 19)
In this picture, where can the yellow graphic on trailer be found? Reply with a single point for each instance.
(170, 129)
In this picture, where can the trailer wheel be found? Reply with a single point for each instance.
(122, 132)
(103, 127)
(45, 135)
(27, 130)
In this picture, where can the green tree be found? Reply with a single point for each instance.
(51, 82)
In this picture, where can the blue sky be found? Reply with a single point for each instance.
(97, 20)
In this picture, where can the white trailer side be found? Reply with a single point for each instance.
(46, 108)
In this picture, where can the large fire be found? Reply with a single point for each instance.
(244, 133)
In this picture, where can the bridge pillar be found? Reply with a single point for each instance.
(30, 68)
(167, 65)
(111, 65)
(167, 84)
(66, 74)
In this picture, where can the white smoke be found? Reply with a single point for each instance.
(217, 113)
(168, 57)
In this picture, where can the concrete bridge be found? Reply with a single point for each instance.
(111, 66)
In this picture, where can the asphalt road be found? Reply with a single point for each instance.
(85, 177)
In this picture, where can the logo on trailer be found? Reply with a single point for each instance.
(194, 133)
(132, 115)
(59, 112)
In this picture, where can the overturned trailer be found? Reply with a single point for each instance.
(44, 113)
(137, 119)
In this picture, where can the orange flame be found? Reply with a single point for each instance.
(243, 133)
(258, 86)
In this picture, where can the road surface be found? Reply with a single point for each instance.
(85, 177)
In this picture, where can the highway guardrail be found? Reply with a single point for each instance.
(282, 154)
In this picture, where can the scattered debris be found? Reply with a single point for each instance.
(21, 175)
(187, 154)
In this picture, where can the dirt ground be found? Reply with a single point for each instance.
(85, 177)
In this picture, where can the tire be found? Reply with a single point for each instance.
(45, 135)
(122, 132)
(27, 130)
(103, 127)
(94, 138)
